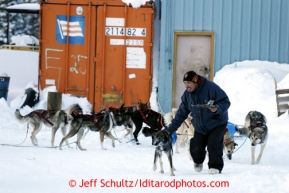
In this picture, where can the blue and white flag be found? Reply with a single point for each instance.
(74, 29)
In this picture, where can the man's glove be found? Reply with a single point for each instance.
(211, 103)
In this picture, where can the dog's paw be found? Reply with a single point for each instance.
(154, 168)
(172, 174)
(161, 171)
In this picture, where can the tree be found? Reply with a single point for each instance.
(19, 23)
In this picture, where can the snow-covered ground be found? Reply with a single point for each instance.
(24, 168)
(128, 167)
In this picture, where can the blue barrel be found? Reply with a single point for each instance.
(4, 85)
(232, 128)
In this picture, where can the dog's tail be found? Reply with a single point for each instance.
(20, 117)
(243, 131)
(174, 112)
(168, 117)
(147, 132)
(72, 108)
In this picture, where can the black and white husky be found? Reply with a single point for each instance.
(257, 131)
(163, 143)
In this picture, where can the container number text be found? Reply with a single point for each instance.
(119, 31)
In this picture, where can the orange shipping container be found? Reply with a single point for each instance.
(101, 50)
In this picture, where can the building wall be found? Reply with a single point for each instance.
(244, 30)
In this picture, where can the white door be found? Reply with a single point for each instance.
(193, 51)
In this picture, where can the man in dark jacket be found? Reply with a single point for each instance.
(208, 105)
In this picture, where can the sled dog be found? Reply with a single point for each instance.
(257, 131)
(98, 122)
(163, 142)
(144, 115)
(53, 119)
(122, 117)
(185, 132)
(127, 118)
(229, 144)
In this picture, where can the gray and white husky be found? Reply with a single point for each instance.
(257, 131)
(101, 122)
(53, 119)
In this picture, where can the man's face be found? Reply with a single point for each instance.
(190, 86)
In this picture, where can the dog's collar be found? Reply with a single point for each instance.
(226, 141)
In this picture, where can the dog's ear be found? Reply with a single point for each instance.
(263, 118)
(139, 102)
(147, 104)
(235, 144)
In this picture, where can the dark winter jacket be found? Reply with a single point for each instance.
(204, 119)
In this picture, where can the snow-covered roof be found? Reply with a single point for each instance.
(24, 40)
(24, 8)
(135, 3)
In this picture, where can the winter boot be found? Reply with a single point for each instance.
(214, 171)
(198, 167)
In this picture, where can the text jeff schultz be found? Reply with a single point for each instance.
(149, 183)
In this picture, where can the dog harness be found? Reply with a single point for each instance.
(93, 118)
(146, 112)
(253, 126)
(186, 124)
(230, 137)
(50, 112)
(41, 115)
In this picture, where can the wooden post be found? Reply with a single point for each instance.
(282, 101)
(54, 101)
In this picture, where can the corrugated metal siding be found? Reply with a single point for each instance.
(244, 30)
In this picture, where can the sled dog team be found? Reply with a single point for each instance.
(255, 128)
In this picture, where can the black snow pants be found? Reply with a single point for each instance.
(214, 143)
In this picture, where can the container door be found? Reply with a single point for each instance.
(65, 57)
(124, 51)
